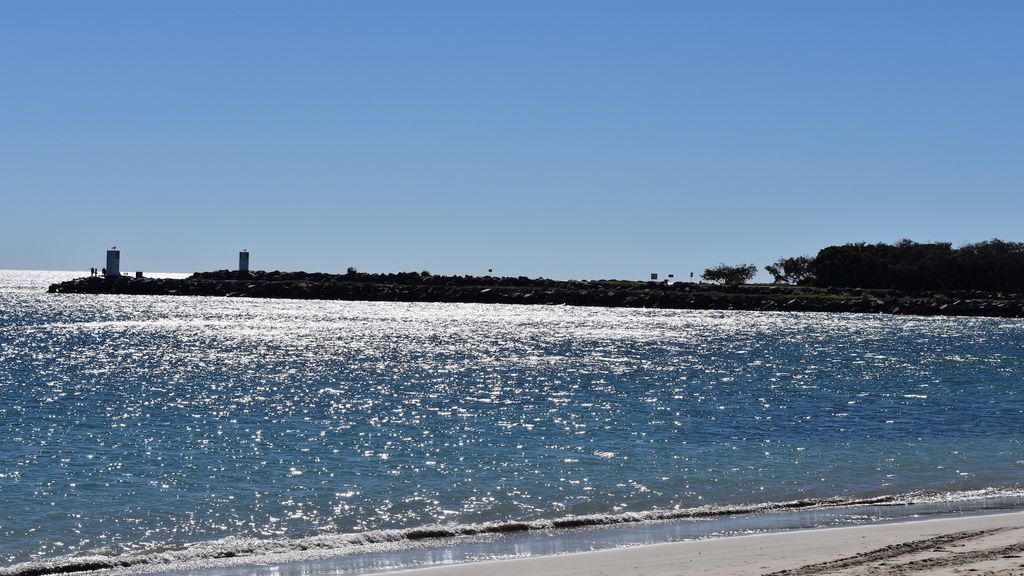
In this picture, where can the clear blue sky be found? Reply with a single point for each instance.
(544, 138)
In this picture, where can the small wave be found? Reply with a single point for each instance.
(235, 550)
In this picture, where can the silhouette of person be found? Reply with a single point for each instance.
(104, 271)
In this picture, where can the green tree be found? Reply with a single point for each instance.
(795, 270)
(726, 274)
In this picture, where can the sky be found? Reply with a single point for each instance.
(564, 139)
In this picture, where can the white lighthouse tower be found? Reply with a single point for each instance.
(113, 262)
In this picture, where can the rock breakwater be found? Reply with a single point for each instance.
(419, 287)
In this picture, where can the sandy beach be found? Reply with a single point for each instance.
(989, 544)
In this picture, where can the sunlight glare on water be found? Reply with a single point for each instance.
(130, 423)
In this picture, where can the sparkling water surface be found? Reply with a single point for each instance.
(134, 423)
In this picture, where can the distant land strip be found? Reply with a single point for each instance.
(423, 287)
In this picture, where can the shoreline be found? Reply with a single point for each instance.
(993, 543)
(387, 551)
(423, 287)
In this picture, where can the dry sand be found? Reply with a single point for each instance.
(973, 545)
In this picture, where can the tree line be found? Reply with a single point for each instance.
(906, 265)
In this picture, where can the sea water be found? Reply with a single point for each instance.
(177, 433)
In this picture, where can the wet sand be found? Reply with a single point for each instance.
(971, 545)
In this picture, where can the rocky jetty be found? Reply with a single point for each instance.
(423, 287)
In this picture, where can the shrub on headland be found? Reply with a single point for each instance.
(990, 265)
(726, 274)
(791, 270)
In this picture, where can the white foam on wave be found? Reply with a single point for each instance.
(237, 551)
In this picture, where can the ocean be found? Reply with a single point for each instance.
(232, 435)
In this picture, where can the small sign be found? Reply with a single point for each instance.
(654, 275)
